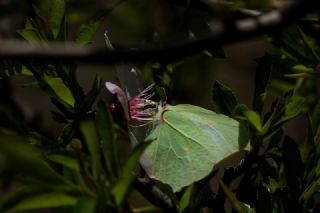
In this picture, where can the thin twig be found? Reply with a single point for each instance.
(240, 30)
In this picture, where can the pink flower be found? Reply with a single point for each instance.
(138, 108)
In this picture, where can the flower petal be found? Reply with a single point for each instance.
(122, 98)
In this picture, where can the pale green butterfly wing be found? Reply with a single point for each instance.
(188, 142)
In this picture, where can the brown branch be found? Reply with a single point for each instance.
(154, 195)
(240, 30)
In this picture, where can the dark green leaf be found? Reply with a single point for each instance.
(264, 204)
(45, 200)
(106, 132)
(92, 94)
(87, 31)
(12, 68)
(90, 135)
(66, 133)
(67, 161)
(57, 116)
(315, 117)
(195, 25)
(292, 109)
(308, 148)
(12, 121)
(294, 47)
(8, 201)
(40, 22)
(53, 11)
(293, 166)
(263, 74)
(236, 204)
(223, 98)
(313, 188)
(123, 186)
(85, 205)
(26, 159)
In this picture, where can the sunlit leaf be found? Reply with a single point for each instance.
(61, 90)
(188, 142)
(185, 199)
(252, 116)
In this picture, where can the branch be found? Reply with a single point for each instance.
(154, 195)
(239, 30)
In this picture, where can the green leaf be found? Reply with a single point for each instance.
(315, 117)
(85, 205)
(53, 86)
(32, 35)
(92, 94)
(195, 25)
(313, 188)
(106, 132)
(294, 47)
(11, 199)
(53, 11)
(236, 204)
(293, 166)
(224, 100)
(124, 185)
(64, 160)
(61, 90)
(281, 86)
(148, 209)
(308, 148)
(264, 204)
(252, 116)
(90, 135)
(25, 159)
(188, 142)
(11, 120)
(45, 200)
(185, 200)
(88, 30)
(292, 109)
(263, 73)
(12, 68)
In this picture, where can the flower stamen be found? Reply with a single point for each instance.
(141, 108)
